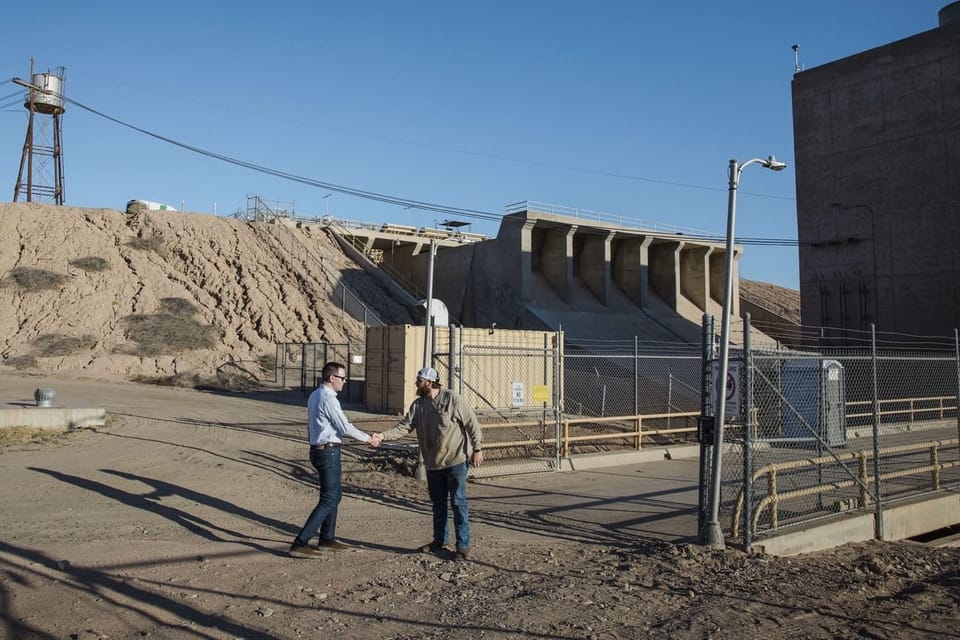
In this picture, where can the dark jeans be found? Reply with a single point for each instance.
(451, 482)
(324, 515)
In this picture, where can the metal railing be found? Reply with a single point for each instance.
(862, 480)
(625, 427)
(611, 218)
(913, 411)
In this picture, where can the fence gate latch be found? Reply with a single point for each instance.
(705, 427)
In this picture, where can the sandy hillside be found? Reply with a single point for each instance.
(98, 293)
(780, 300)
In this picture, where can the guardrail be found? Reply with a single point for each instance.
(611, 218)
(912, 411)
(636, 431)
(773, 498)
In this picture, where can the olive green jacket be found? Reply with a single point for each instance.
(445, 426)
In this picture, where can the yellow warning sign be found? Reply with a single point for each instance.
(541, 393)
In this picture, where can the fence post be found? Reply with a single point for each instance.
(669, 396)
(956, 357)
(303, 368)
(451, 355)
(748, 426)
(276, 365)
(349, 374)
(636, 376)
(878, 512)
(460, 361)
(557, 392)
(706, 412)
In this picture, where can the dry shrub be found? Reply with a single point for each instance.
(21, 362)
(33, 279)
(177, 307)
(175, 380)
(236, 376)
(30, 435)
(150, 243)
(90, 263)
(167, 334)
(267, 362)
(55, 344)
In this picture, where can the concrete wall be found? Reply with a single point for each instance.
(877, 145)
(901, 520)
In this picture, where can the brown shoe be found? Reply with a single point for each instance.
(335, 545)
(433, 547)
(461, 555)
(304, 551)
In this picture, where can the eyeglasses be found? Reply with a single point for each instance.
(344, 378)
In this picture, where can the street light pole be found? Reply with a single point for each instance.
(428, 323)
(326, 204)
(714, 534)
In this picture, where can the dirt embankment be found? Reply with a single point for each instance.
(98, 293)
(774, 298)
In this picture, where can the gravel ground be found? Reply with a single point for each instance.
(173, 521)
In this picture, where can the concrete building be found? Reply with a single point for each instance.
(877, 143)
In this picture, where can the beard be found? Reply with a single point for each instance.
(424, 392)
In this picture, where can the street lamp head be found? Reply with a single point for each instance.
(773, 164)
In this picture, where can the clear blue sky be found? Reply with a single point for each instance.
(631, 108)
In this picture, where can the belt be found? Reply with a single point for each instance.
(332, 445)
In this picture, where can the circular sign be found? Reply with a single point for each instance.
(731, 386)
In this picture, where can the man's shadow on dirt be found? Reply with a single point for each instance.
(149, 502)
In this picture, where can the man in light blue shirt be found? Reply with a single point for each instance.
(326, 427)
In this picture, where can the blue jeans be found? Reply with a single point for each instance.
(451, 482)
(324, 515)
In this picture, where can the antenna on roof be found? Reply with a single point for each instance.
(797, 67)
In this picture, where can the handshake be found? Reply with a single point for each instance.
(375, 439)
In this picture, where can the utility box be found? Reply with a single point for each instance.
(814, 403)
(491, 368)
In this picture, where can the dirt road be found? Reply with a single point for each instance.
(173, 521)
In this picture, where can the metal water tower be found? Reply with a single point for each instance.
(42, 158)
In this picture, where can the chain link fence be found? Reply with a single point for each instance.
(299, 364)
(824, 431)
(517, 391)
(620, 396)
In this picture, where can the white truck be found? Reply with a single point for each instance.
(135, 206)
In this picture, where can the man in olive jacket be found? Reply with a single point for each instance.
(447, 432)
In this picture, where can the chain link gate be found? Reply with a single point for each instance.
(518, 392)
(299, 364)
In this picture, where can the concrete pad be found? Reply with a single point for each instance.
(903, 520)
(845, 529)
(53, 417)
(620, 458)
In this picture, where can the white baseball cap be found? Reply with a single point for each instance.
(428, 373)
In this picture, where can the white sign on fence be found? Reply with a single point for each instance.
(732, 408)
(518, 394)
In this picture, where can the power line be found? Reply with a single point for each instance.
(360, 193)
(386, 198)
